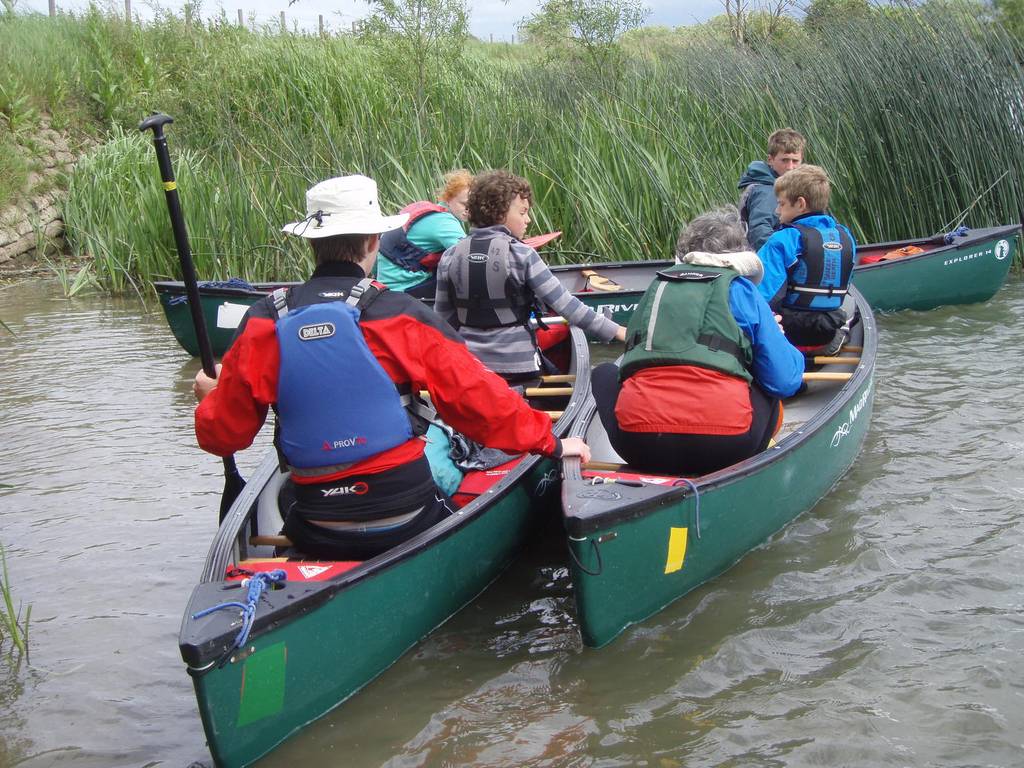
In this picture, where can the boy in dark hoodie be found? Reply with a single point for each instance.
(757, 199)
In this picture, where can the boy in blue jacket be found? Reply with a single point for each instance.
(808, 263)
(757, 199)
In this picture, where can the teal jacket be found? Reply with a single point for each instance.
(434, 234)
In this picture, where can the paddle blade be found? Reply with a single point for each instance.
(233, 485)
(537, 241)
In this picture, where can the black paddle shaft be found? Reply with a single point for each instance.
(156, 123)
(233, 482)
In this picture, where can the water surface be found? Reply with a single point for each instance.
(883, 628)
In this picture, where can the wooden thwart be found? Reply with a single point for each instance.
(826, 376)
(270, 541)
(821, 360)
(530, 392)
(604, 465)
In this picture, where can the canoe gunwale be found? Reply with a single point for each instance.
(305, 597)
(583, 525)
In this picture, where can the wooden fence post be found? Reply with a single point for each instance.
(53, 9)
(128, 11)
(283, 27)
(241, 19)
(321, 19)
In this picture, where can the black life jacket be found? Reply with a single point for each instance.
(481, 285)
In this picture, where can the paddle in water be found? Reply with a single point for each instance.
(233, 482)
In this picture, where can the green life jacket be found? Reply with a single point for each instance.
(684, 319)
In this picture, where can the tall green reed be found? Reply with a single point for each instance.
(13, 625)
(915, 116)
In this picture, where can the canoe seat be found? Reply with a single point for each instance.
(596, 282)
(297, 570)
(480, 481)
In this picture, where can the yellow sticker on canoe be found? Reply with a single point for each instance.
(676, 549)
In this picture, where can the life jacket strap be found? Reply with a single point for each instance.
(279, 298)
(717, 343)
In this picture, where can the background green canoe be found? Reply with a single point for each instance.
(969, 269)
(315, 643)
(636, 549)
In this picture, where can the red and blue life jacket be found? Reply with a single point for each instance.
(336, 404)
(396, 246)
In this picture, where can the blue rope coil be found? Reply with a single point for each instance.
(258, 584)
(960, 231)
(231, 282)
(696, 500)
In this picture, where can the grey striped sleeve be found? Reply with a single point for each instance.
(551, 292)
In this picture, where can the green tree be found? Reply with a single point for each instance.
(418, 39)
(590, 30)
(1010, 13)
(752, 22)
(821, 13)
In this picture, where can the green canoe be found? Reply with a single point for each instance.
(638, 542)
(970, 268)
(223, 306)
(330, 628)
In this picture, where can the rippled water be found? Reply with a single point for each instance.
(883, 628)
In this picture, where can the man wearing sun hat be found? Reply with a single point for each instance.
(333, 357)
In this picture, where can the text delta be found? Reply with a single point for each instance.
(316, 331)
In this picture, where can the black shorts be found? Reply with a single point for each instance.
(365, 505)
(809, 327)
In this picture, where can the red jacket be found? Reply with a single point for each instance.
(413, 345)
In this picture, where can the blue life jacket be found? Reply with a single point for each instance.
(820, 277)
(336, 405)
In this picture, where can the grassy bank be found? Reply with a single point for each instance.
(916, 118)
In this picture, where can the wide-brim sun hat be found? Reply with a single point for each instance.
(345, 205)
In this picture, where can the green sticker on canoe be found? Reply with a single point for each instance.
(262, 684)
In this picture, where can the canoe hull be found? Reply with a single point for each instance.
(315, 643)
(302, 669)
(969, 270)
(174, 303)
(635, 550)
(967, 274)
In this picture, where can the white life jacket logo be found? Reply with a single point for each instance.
(357, 489)
(478, 258)
(832, 246)
(346, 442)
(331, 294)
(1002, 250)
(316, 331)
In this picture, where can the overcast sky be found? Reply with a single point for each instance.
(487, 17)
